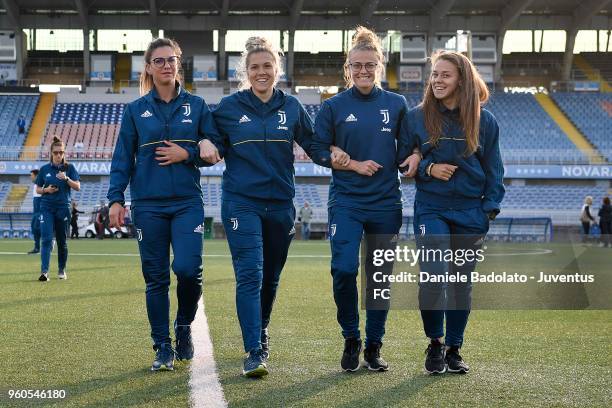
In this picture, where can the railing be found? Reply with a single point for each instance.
(29, 83)
(510, 156)
(575, 86)
(550, 156)
(12, 153)
(55, 62)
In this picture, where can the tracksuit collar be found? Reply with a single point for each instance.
(247, 97)
(153, 96)
(444, 110)
(372, 95)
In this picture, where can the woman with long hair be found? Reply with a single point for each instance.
(54, 182)
(366, 122)
(459, 189)
(257, 128)
(157, 154)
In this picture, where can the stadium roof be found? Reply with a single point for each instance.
(405, 15)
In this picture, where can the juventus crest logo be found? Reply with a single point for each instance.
(139, 234)
(187, 108)
(282, 119)
(385, 113)
(422, 228)
(333, 229)
(234, 222)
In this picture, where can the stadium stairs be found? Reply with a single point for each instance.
(122, 70)
(591, 73)
(39, 125)
(577, 138)
(391, 73)
(15, 197)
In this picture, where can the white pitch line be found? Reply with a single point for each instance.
(205, 255)
(536, 251)
(204, 385)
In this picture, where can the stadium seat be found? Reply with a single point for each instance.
(592, 114)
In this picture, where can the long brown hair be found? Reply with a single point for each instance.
(57, 142)
(146, 80)
(472, 94)
(365, 40)
(253, 45)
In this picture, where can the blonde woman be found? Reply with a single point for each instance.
(366, 122)
(586, 218)
(257, 127)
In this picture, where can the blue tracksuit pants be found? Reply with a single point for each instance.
(346, 228)
(35, 228)
(445, 229)
(157, 229)
(259, 237)
(54, 220)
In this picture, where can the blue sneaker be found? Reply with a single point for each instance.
(164, 358)
(255, 365)
(184, 343)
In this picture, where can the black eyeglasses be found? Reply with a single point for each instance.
(160, 62)
(369, 66)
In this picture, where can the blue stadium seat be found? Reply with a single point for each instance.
(592, 115)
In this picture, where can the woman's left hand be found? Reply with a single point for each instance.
(339, 156)
(170, 154)
(411, 165)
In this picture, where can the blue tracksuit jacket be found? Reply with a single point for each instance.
(47, 175)
(256, 140)
(145, 125)
(478, 180)
(367, 127)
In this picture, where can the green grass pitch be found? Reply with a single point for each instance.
(89, 336)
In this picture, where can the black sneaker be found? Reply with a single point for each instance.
(34, 251)
(44, 277)
(455, 362)
(184, 343)
(254, 364)
(435, 363)
(350, 356)
(164, 358)
(372, 359)
(265, 343)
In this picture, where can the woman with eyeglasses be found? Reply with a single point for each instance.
(54, 182)
(157, 154)
(365, 121)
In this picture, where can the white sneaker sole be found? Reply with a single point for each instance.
(367, 365)
(460, 371)
(352, 370)
(436, 372)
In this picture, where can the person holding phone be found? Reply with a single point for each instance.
(54, 182)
